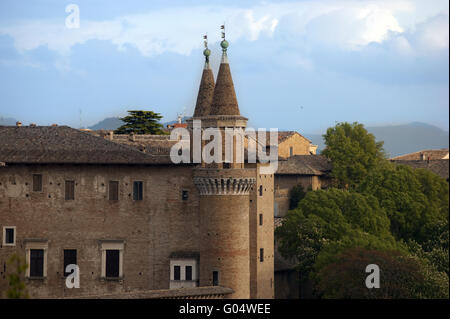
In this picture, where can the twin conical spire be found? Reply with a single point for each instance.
(206, 90)
(219, 99)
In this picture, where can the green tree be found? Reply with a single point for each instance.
(416, 201)
(353, 153)
(401, 276)
(141, 122)
(332, 218)
(296, 194)
(17, 288)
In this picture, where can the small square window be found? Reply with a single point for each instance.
(185, 195)
(37, 183)
(9, 236)
(137, 190)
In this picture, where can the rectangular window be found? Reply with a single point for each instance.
(188, 273)
(185, 195)
(177, 273)
(37, 183)
(261, 254)
(112, 263)
(215, 278)
(36, 263)
(113, 190)
(291, 151)
(137, 190)
(260, 219)
(70, 190)
(70, 257)
(9, 235)
(260, 190)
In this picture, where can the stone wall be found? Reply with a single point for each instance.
(150, 229)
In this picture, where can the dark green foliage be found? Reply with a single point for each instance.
(381, 212)
(17, 288)
(401, 276)
(296, 195)
(416, 201)
(353, 152)
(141, 122)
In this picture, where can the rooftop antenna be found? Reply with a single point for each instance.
(81, 123)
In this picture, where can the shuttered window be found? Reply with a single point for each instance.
(70, 257)
(113, 190)
(36, 262)
(70, 190)
(138, 190)
(112, 263)
(37, 183)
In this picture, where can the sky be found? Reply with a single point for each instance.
(302, 65)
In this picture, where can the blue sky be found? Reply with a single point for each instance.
(296, 64)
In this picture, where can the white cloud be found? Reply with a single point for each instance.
(347, 24)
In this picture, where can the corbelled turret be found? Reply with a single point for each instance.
(206, 90)
(224, 100)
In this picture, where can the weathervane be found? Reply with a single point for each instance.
(224, 44)
(206, 52)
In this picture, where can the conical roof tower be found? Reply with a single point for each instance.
(206, 90)
(224, 101)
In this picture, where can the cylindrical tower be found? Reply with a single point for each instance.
(224, 228)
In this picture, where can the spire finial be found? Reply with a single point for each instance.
(224, 44)
(206, 52)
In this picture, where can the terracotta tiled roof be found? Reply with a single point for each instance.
(224, 100)
(62, 144)
(426, 154)
(304, 165)
(205, 94)
(438, 166)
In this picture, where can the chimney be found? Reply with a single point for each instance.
(111, 135)
(131, 137)
(33, 124)
(54, 124)
(18, 123)
(422, 156)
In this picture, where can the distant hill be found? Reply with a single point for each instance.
(402, 139)
(7, 121)
(112, 123)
